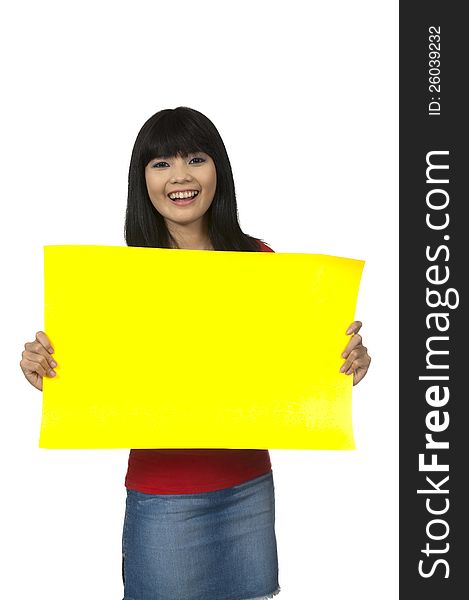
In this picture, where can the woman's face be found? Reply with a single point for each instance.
(167, 175)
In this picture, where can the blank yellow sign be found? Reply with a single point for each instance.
(162, 348)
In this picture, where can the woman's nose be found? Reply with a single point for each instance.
(180, 177)
(180, 171)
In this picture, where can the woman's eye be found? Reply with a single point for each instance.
(161, 163)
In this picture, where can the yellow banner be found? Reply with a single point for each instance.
(162, 348)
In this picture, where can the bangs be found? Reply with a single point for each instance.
(174, 135)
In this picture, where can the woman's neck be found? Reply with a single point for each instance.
(191, 236)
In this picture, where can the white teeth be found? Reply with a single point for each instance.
(183, 195)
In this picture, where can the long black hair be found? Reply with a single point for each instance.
(172, 132)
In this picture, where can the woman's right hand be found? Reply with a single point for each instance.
(37, 360)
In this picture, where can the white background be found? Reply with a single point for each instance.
(304, 95)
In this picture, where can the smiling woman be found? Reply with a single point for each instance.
(183, 182)
(199, 523)
(179, 150)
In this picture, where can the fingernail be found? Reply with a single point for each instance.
(349, 330)
(52, 373)
(51, 350)
(341, 369)
(344, 355)
(53, 363)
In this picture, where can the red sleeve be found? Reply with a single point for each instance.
(264, 247)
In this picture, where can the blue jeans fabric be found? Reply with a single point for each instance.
(216, 545)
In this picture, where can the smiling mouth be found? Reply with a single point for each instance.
(187, 195)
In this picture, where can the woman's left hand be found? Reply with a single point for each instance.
(356, 354)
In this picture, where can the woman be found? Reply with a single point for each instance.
(199, 524)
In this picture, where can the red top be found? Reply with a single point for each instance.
(191, 471)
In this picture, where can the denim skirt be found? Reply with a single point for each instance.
(216, 545)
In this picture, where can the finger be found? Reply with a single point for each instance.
(36, 348)
(42, 338)
(354, 327)
(354, 354)
(353, 343)
(362, 360)
(31, 366)
(47, 363)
